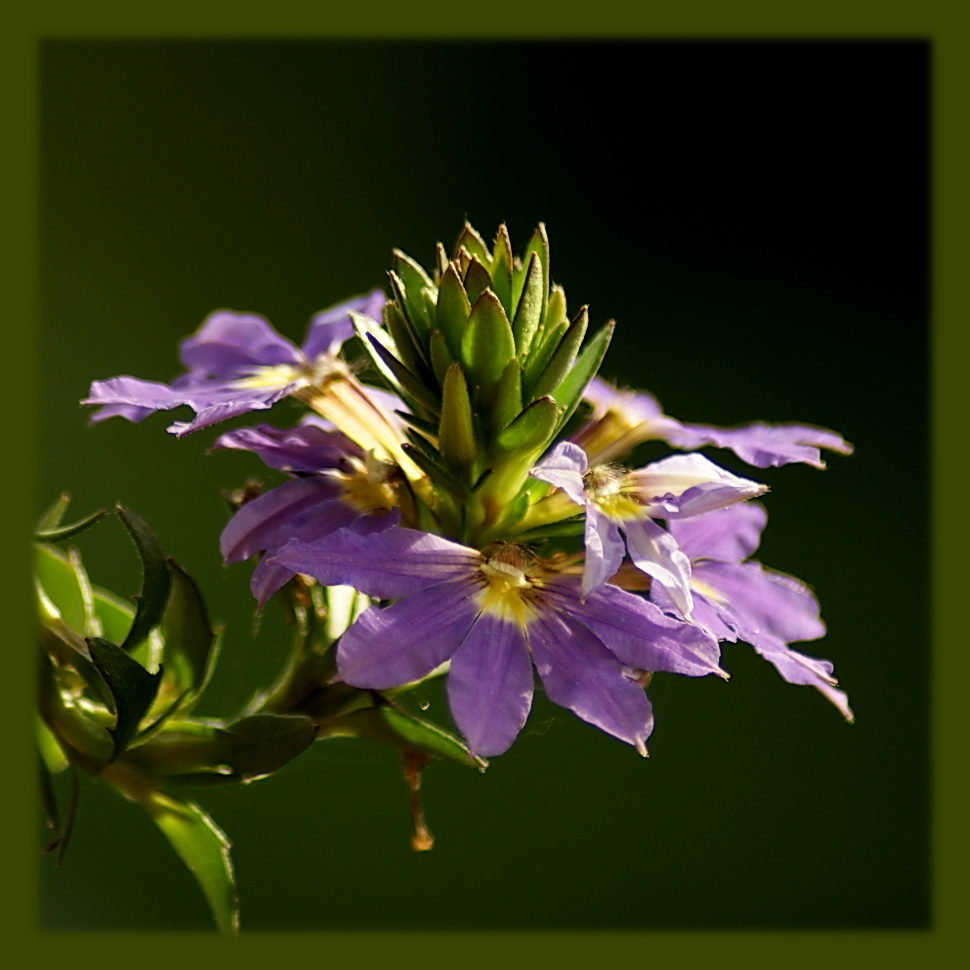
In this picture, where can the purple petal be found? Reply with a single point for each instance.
(604, 549)
(330, 328)
(730, 535)
(761, 602)
(395, 645)
(655, 552)
(636, 631)
(387, 565)
(306, 448)
(244, 401)
(564, 467)
(581, 674)
(764, 445)
(228, 344)
(131, 412)
(250, 530)
(270, 575)
(490, 685)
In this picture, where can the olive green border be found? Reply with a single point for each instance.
(837, 19)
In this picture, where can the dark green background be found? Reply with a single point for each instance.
(755, 218)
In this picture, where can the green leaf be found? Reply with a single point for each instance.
(155, 578)
(414, 391)
(132, 689)
(263, 743)
(391, 725)
(204, 849)
(58, 577)
(61, 532)
(187, 655)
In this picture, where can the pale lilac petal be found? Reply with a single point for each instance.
(394, 645)
(637, 631)
(730, 534)
(564, 467)
(330, 328)
(689, 485)
(655, 552)
(228, 344)
(764, 445)
(306, 448)
(490, 685)
(581, 674)
(604, 549)
(387, 565)
(249, 531)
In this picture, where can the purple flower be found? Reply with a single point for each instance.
(738, 599)
(339, 487)
(622, 419)
(492, 618)
(621, 507)
(236, 362)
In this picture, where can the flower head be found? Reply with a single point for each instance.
(493, 617)
(621, 507)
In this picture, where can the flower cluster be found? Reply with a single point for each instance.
(460, 463)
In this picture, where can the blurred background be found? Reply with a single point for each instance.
(754, 216)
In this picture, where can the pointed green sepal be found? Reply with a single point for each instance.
(563, 358)
(411, 388)
(456, 432)
(132, 689)
(439, 475)
(538, 244)
(531, 429)
(441, 356)
(418, 293)
(508, 397)
(474, 245)
(452, 311)
(486, 347)
(528, 312)
(570, 390)
(477, 280)
(406, 341)
(502, 269)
